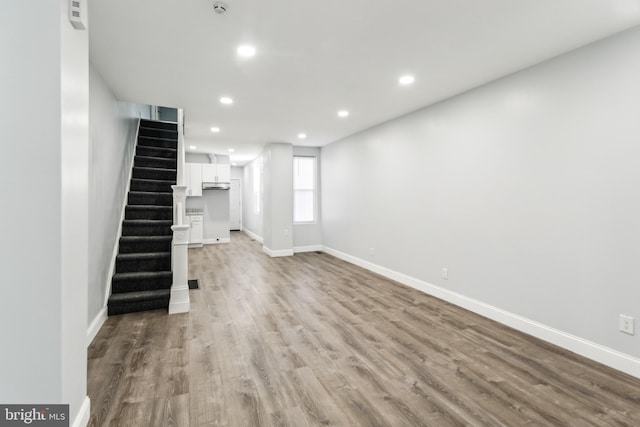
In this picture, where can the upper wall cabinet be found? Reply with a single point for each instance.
(193, 178)
(213, 172)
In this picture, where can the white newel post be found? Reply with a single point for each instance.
(179, 302)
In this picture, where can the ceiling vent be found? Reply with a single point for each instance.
(220, 7)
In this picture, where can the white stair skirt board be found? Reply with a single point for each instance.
(312, 248)
(82, 418)
(95, 325)
(253, 235)
(216, 242)
(599, 353)
(274, 254)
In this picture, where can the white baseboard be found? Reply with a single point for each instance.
(95, 326)
(605, 355)
(82, 418)
(311, 248)
(274, 254)
(253, 235)
(216, 241)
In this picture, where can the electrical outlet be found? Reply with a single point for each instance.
(626, 324)
(371, 251)
(286, 232)
(445, 273)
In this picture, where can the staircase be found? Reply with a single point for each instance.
(142, 278)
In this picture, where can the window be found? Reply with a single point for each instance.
(304, 189)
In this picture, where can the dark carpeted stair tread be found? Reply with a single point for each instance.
(141, 295)
(154, 162)
(141, 244)
(150, 198)
(128, 302)
(144, 255)
(152, 185)
(149, 212)
(159, 133)
(146, 227)
(158, 124)
(151, 141)
(143, 275)
(141, 281)
(154, 173)
(140, 239)
(150, 261)
(166, 222)
(148, 151)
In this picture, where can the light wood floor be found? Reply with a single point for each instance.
(311, 340)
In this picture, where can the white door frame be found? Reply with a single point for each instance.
(239, 198)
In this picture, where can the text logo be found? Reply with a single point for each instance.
(34, 415)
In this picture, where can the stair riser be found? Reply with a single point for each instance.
(159, 187)
(135, 265)
(154, 162)
(158, 125)
(136, 285)
(158, 133)
(161, 174)
(156, 142)
(122, 308)
(141, 150)
(132, 213)
(129, 247)
(158, 199)
(145, 230)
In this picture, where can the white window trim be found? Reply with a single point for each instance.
(314, 190)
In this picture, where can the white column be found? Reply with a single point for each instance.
(179, 202)
(179, 302)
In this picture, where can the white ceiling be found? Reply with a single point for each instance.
(316, 57)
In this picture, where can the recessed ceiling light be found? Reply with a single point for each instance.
(231, 150)
(343, 113)
(302, 135)
(234, 164)
(226, 100)
(246, 50)
(192, 147)
(406, 80)
(215, 129)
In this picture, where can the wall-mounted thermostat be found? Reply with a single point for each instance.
(78, 14)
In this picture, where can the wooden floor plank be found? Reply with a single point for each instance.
(310, 340)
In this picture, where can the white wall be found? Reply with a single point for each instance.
(112, 131)
(526, 189)
(277, 215)
(237, 173)
(43, 300)
(251, 208)
(309, 236)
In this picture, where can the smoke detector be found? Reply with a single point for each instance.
(220, 7)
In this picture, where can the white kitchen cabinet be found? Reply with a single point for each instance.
(209, 172)
(196, 230)
(193, 178)
(223, 172)
(216, 172)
